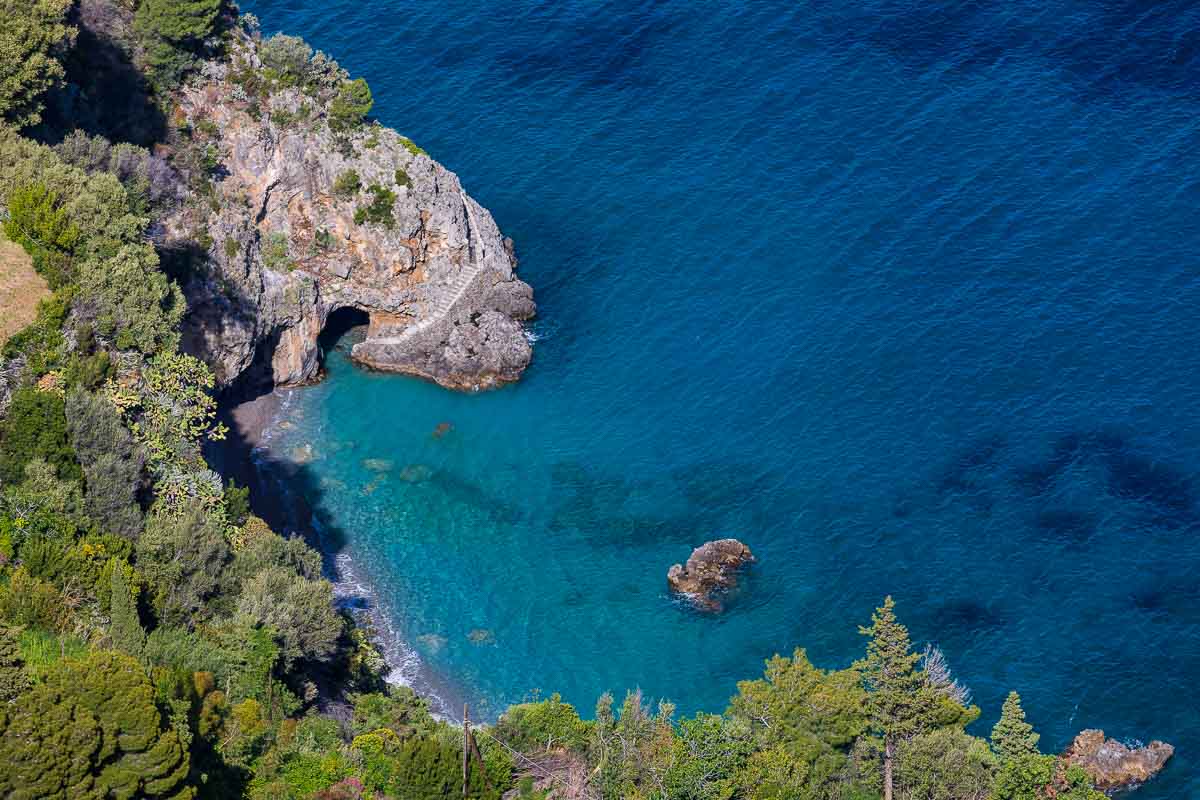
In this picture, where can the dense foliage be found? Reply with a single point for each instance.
(159, 640)
(31, 36)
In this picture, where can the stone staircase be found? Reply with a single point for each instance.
(454, 291)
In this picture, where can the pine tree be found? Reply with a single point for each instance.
(1013, 737)
(898, 699)
(126, 629)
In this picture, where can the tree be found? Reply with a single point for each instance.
(1012, 736)
(299, 610)
(112, 462)
(898, 700)
(33, 33)
(182, 558)
(945, 764)
(133, 301)
(351, 106)
(170, 30)
(91, 729)
(36, 427)
(41, 224)
(126, 629)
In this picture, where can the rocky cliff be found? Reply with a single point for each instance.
(275, 248)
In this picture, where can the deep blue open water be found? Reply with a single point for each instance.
(903, 294)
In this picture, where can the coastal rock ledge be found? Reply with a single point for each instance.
(710, 571)
(1113, 765)
(293, 230)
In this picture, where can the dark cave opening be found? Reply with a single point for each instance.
(344, 327)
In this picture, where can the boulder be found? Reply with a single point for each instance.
(710, 571)
(1113, 765)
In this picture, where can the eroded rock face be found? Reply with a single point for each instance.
(1113, 765)
(284, 251)
(710, 571)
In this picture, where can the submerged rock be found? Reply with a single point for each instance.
(378, 464)
(481, 636)
(1113, 765)
(442, 429)
(710, 570)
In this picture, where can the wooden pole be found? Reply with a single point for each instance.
(466, 751)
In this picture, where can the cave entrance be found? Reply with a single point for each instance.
(344, 328)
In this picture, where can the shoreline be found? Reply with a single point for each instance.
(246, 457)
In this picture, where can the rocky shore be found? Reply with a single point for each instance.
(288, 240)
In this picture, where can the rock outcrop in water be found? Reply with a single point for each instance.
(1113, 765)
(710, 571)
(283, 249)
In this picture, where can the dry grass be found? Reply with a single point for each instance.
(20, 289)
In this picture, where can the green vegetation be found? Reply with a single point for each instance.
(347, 184)
(275, 252)
(351, 106)
(379, 210)
(32, 36)
(411, 146)
(159, 640)
(171, 32)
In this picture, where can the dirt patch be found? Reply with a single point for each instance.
(20, 289)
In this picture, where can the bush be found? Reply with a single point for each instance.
(299, 610)
(543, 725)
(347, 184)
(379, 210)
(36, 427)
(170, 32)
(40, 223)
(402, 178)
(32, 602)
(287, 58)
(351, 106)
(42, 341)
(275, 252)
(411, 146)
(29, 38)
(182, 559)
(133, 300)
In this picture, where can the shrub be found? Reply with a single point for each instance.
(347, 184)
(232, 247)
(29, 38)
(287, 58)
(275, 252)
(379, 210)
(351, 106)
(546, 724)
(32, 602)
(133, 300)
(182, 559)
(170, 31)
(40, 223)
(411, 146)
(36, 427)
(402, 178)
(91, 730)
(299, 610)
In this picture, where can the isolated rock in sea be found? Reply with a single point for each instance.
(1113, 765)
(282, 250)
(710, 570)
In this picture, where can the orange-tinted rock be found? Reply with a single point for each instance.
(1113, 765)
(710, 571)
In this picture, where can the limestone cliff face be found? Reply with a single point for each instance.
(284, 250)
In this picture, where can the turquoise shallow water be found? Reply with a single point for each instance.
(902, 294)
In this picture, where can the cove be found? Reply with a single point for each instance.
(903, 296)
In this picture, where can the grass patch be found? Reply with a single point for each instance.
(20, 289)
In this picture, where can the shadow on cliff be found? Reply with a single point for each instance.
(104, 93)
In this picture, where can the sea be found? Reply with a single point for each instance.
(904, 295)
